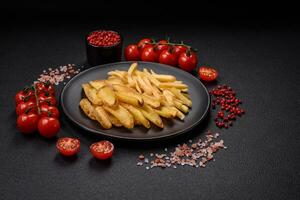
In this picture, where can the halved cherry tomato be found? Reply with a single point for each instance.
(208, 73)
(27, 123)
(49, 111)
(188, 61)
(142, 44)
(68, 146)
(48, 126)
(149, 54)
(132, 53)
(178, 49)
(167, 58)
(28, 107)
(161, 46)
(47, 99)
(102, 150)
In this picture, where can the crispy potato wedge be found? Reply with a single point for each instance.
(166, 112)
(122, 115)
(91, 94)
(107, 95)
(173, 85)
(114, 81)
(87, 108)
(180, 96)
(137, 114)
(129, 91)
(151, 101)
(126, 97)
(97, 84)
(152, 116)
(102, 117)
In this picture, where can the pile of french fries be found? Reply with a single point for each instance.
(134, 97)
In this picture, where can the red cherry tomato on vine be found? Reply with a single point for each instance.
(178, 49)
(188, 61)
(161, 46)
(149, 54)
(49, 111)
(45, 88)
(142, 44)
(167, 58)
(207, 73)
(48, 126)
(46, 99)
(102, 150)
(26, 107)
(132, 53)
(27, 123)
(24, 96)
(68, 146)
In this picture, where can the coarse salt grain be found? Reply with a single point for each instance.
(194, 154)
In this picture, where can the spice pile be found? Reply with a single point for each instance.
(224, 98)
(58, 75)
(195, 154)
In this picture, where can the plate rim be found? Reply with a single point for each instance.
(100, 133)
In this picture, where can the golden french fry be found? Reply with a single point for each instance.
(169, 96)
(164, 78)
(87, 108)
(180, 96)
(114, 81)
(143, 85)
(181, 106)
(131, 69)
(152, 116)
(151, 101)
(119, 74)
(114, 120)
(179, 114)
(102, 117)
(137, 114)
(97, 84)
(126, 97)
(91, 94)
(166, 112)
(173, 85)
(107, 95)
(185, 90)
(129, 91)
(137, 85)
(122, 115)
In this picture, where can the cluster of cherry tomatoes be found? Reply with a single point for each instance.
(163, 52)
(37, 111)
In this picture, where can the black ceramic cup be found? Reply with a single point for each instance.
(97, 55)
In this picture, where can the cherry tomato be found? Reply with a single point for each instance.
(132, 53)
(141, 45)
(49, 111)
(45, 88)
(207, 73)
(188, 61)
(48, 126)
(168, 58)
(178, 49)
(47, 99)
(68, 146)
(28, 107)
(161, 46)
(24, 96)
(102, 150)
(149, 54)
(27, 123)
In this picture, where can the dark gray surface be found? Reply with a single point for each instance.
(262, 159)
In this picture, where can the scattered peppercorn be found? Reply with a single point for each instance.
(104, 38)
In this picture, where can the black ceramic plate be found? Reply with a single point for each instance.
(72, 94)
